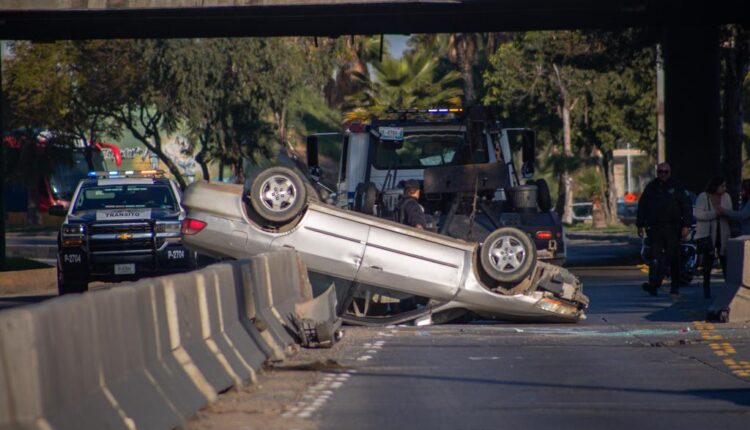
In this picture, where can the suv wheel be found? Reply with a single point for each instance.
(508, 255)
(278, 194)
(66, 287)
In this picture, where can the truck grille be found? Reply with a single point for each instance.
(106, 238)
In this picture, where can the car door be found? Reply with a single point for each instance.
(411, 264)
(328, 244)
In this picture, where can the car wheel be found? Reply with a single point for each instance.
(365, 197)
(508, 255)
(543, 198)
(278, 194)
(65, 287)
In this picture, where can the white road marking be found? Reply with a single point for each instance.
(317, 395)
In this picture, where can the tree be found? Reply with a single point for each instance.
(735, 58)
(56, 88)
(540, 67)
(408, 82)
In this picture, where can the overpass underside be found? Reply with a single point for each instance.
(690, 38)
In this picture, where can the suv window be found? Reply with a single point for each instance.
(418, 151)
(126, 196)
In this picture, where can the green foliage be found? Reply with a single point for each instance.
(399, 84)
(590, 183)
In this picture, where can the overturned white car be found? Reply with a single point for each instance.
(384, 272)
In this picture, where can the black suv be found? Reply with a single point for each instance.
(120, 226)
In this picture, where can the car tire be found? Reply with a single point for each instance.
(365, 197)
(543, 197)
(508, 255)
(66, 287)
(278, 194)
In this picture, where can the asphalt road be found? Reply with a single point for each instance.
(636, 362)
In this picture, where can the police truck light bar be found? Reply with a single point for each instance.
(127, 174)
(441, 111)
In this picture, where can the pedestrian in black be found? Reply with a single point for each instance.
(665, 214)
(410, 212)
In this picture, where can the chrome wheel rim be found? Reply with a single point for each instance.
(507, 254)
(277, 193)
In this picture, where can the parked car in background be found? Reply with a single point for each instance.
(582, 212)
(384, 272)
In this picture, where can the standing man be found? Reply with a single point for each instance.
(665, 213)
(410, 212)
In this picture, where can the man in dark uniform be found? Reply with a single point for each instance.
(664, 211)
(410, 212)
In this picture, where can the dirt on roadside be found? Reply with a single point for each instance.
(29, 282)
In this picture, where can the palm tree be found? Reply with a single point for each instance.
(403, 83)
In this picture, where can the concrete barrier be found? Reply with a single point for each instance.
(207, 283)
(229, 291)
(247, 308)
(20, 396)
(271, 325)
(150, 354)
(121, 344)
(159, 358)
(187, 335)
(732, 304)
(72, 389)
(290, 285)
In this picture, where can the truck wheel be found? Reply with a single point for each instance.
(508, 255)
(65, 287)
(365, 197)
(278, 194)
(543, 198)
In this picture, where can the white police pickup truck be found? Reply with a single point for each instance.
(120, 226)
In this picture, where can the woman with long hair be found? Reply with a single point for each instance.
(709, 207)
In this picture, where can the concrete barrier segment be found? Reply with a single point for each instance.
(187, 329)
(228, 291)
(213, 328)
(170, 376)
(268, 320)
(732, 304)
(122, 350)
(289, 283)
(20, 396)
(247, 312)
(72, 387)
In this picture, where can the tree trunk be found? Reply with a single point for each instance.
(610, 193)
(736, 58)
(466, 53)
(598, 218)
(201, 160)
(567, 180)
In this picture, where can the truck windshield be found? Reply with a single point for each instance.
(126, 196)
(418, 151)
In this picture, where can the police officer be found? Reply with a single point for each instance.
(665, 213)
(410, 212)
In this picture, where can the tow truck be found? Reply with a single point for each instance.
(121, 225)
(476, 176)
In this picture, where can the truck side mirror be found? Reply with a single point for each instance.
(528, 153)
(313, 165)
(58, 210)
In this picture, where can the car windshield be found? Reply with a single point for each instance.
(417, 151)
(125, 196)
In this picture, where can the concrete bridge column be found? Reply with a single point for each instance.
(692, 100)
